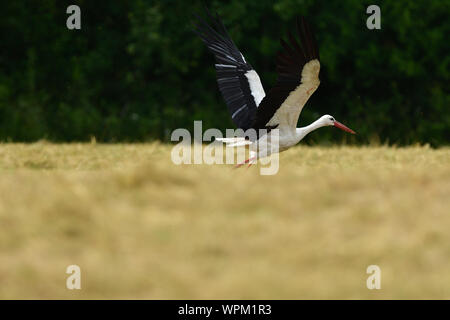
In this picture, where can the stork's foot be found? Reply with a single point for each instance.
(249, 161)
(253, 161)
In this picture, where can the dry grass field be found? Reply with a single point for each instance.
(140, 227)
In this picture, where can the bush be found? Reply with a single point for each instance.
(136, 71)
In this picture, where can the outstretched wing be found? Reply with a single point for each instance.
(238, 82)
(298, 77)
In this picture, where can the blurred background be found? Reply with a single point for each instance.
(141, 227)
(136, 71)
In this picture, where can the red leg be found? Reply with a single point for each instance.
(246, 161)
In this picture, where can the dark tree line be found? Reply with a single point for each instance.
(136, 71)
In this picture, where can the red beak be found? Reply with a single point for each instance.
(343, 127)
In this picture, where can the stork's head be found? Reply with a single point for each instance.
(330, 121)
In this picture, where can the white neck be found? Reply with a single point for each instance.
(303, 131)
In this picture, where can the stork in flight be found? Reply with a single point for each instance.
(298, 69)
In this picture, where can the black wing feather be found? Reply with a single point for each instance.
(231, 68)
(290, 63)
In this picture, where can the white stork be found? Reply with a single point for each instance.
(298, 69)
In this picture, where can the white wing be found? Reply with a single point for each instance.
(289, 111)
(298, 77)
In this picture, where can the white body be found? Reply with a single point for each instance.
(286, 116)
(286, 138)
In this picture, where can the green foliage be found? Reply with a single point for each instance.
(136, 71)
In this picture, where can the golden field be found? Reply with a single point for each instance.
(140, 227)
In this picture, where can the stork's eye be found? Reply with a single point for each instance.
(332, 119)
